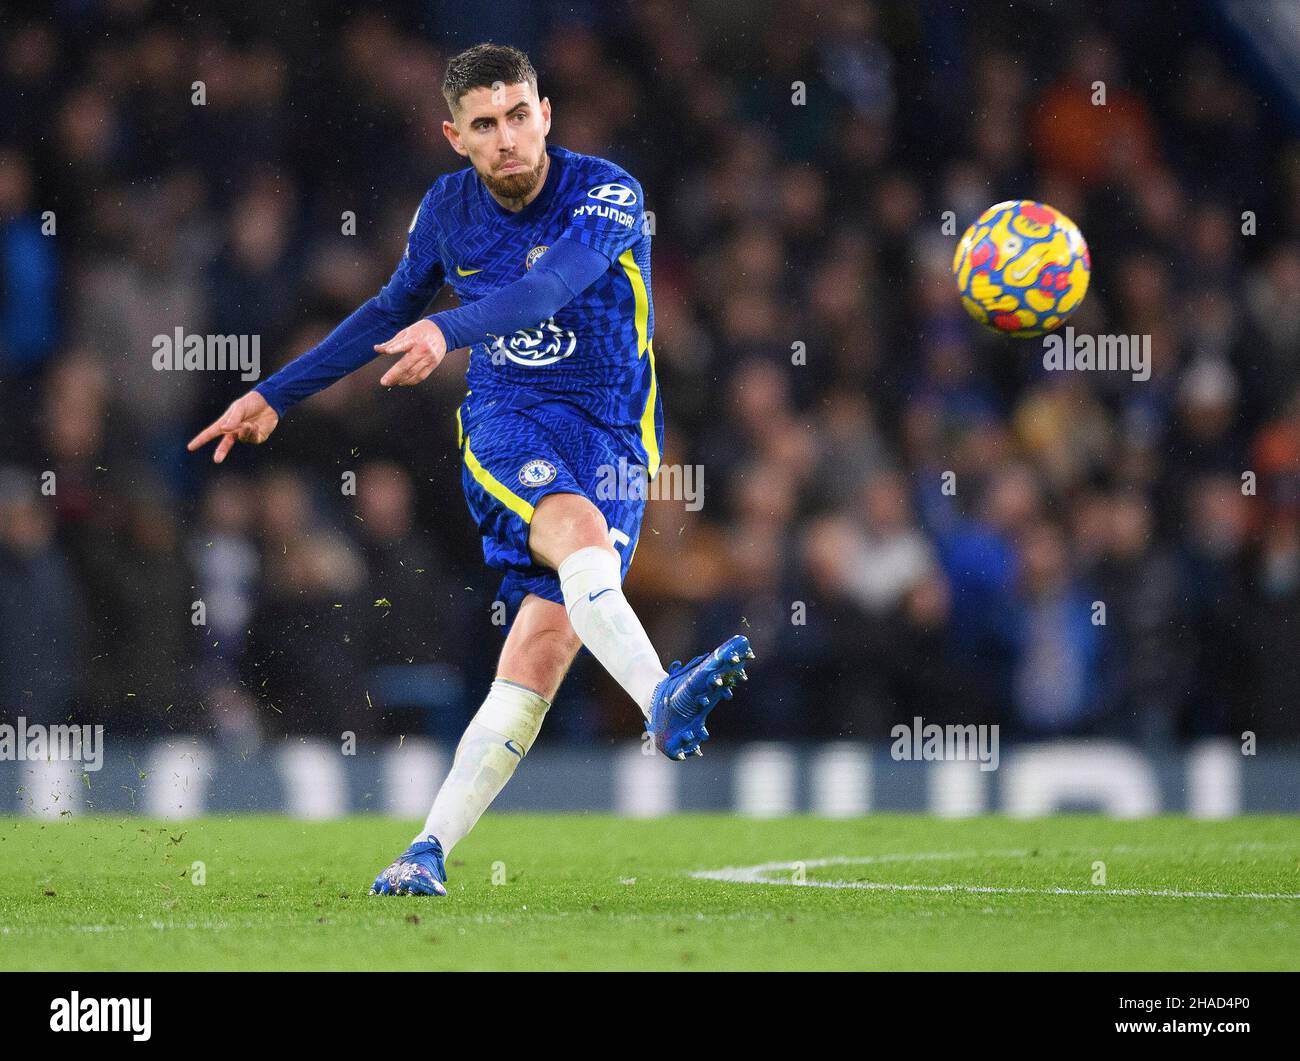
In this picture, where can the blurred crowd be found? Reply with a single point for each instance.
(907, 516)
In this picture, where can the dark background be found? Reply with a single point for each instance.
(775, 224)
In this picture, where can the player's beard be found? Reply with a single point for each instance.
(515, 185)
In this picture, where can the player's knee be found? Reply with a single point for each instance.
(565, 523)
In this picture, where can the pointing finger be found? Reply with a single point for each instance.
(205, 436)
(397, 373)
(399, 342)
(407, 371)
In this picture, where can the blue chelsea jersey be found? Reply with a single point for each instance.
(596, 351)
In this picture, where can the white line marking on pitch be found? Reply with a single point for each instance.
(758, 875)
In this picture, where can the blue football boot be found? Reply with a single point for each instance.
(419, 870)
(683, 700)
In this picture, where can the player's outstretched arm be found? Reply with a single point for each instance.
(253, 417)
(249, 419)
(352, 344)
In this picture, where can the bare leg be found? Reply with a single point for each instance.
(539, 648)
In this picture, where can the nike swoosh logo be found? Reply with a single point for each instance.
(593, 596)
(515, 748)
(466, 272)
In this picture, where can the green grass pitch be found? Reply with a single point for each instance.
(595, 892)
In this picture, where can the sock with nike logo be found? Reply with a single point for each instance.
(495, 742)
(606, 624)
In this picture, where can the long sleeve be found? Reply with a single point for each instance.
(348, 347)
(566, 270)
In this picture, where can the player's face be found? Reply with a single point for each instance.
(502, 131)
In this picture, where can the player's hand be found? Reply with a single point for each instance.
(249, 419)
(422, 347)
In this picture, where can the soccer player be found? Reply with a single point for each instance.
(549, 255)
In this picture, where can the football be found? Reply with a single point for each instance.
(1022, 268)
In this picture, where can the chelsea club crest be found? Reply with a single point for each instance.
(537, 473)
(533, 255)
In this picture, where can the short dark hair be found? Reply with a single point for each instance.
(483, 66)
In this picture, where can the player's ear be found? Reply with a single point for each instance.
(452, 134)
(546, 115)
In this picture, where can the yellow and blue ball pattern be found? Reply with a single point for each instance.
(1022, 268)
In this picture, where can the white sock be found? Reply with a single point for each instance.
(495, 742)
(606, 624)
